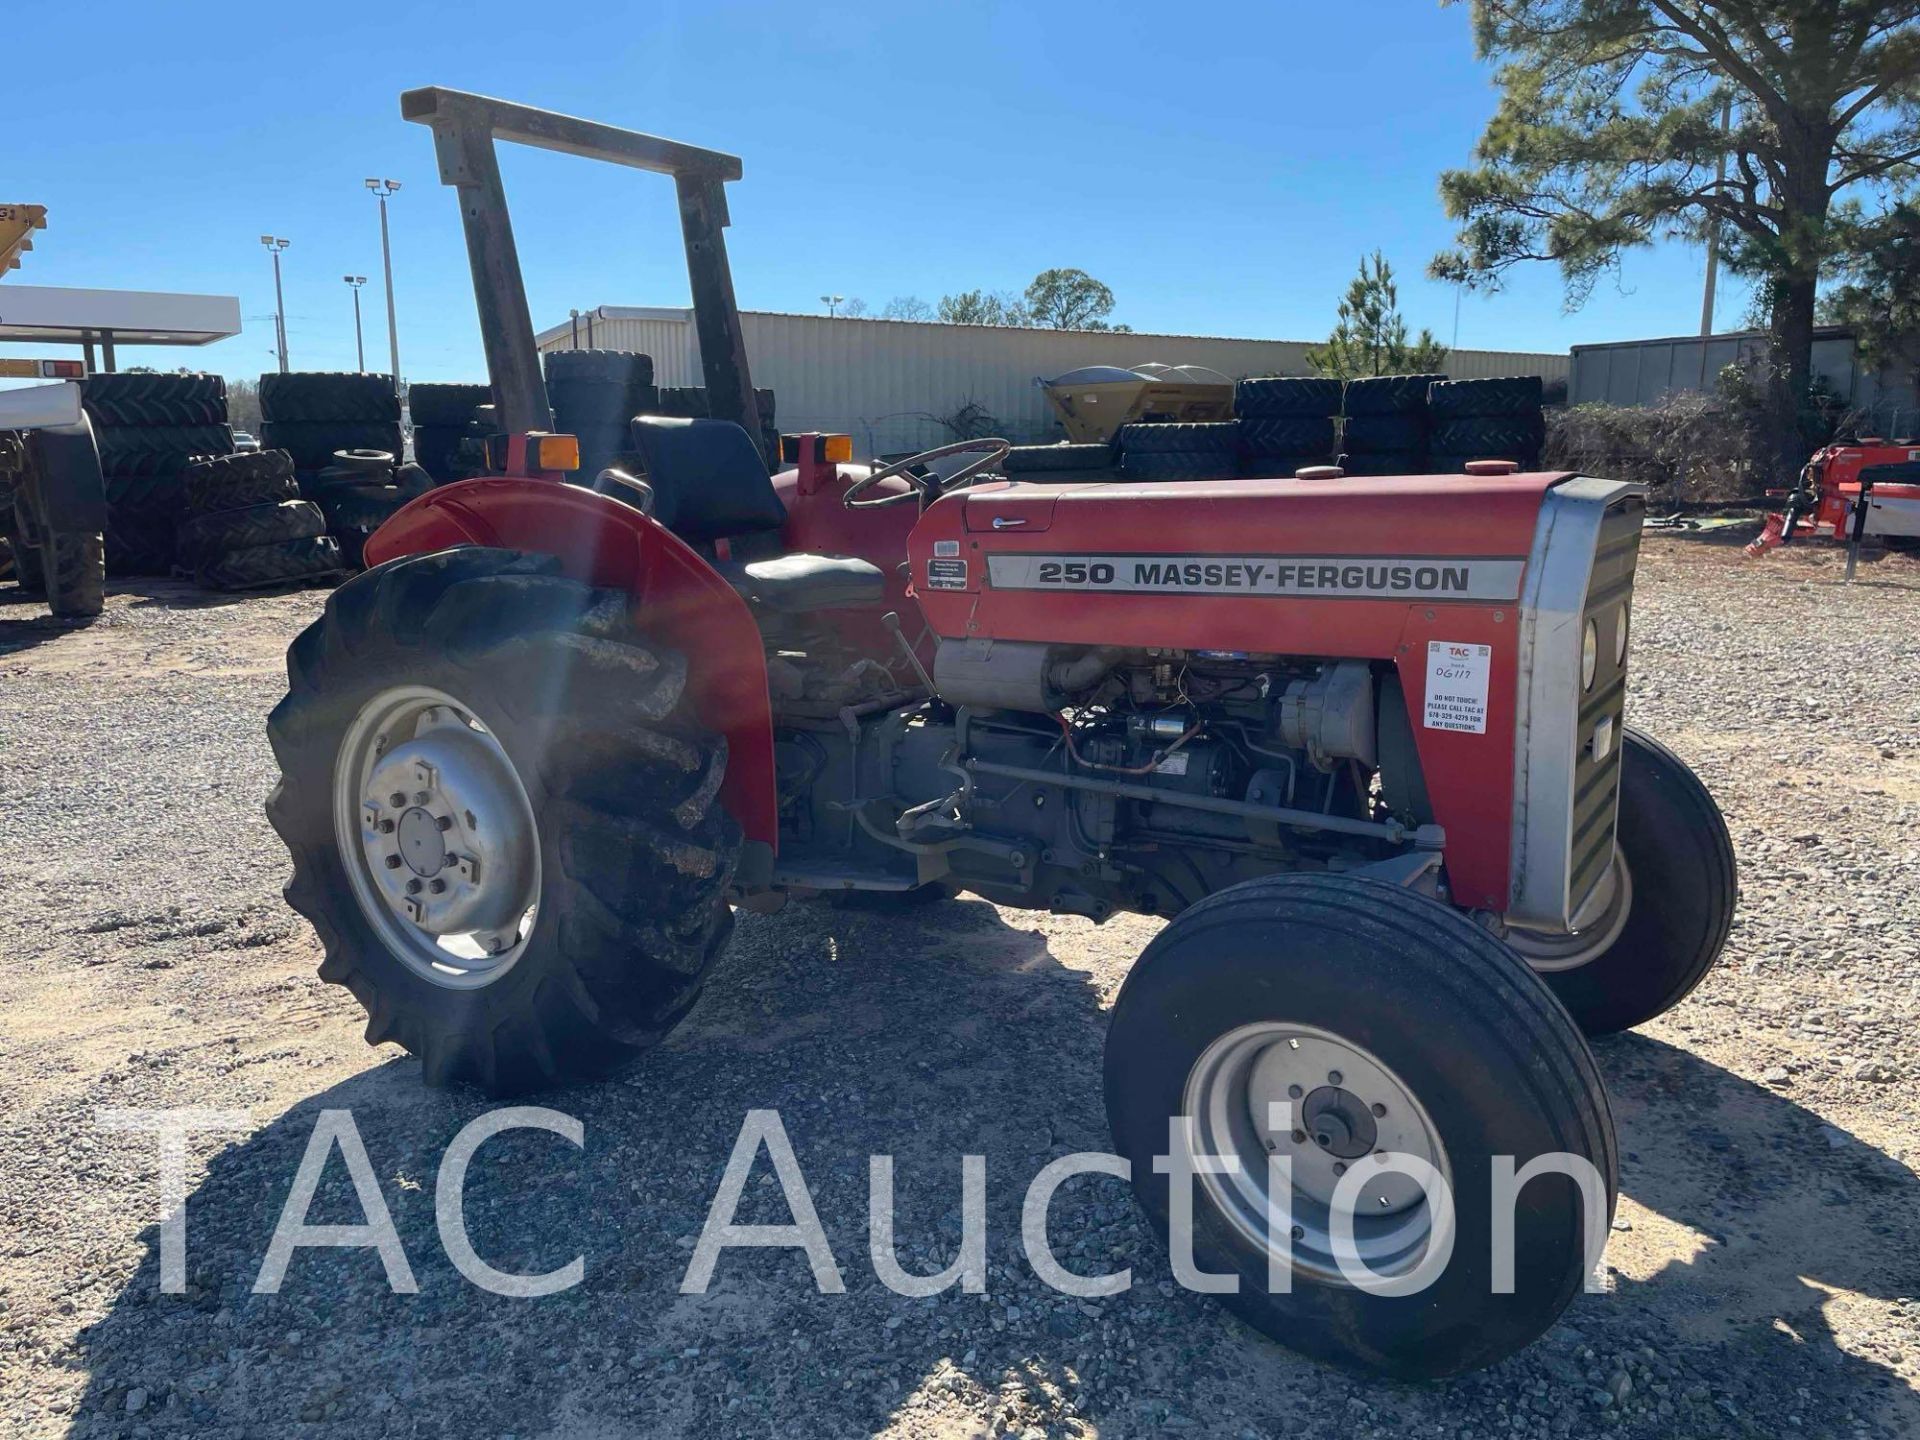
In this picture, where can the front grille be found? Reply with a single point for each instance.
(1596, 783)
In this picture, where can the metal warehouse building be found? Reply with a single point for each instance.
(887, 382)
(1645, 372)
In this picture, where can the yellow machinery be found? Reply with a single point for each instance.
(17, 224)
(1096, 400)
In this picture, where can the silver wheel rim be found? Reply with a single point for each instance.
(437, 836)
(1348, 1111)
(1550, 954)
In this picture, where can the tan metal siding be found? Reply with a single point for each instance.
(885, 381)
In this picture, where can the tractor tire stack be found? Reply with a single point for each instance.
(357, 494)
(1286, 422)
(247, 527)
(444, 421)
(311, 414)
(1386, 425)
(595, 394)
(1179, 451)
(1058, 464)
(1494, 419)
(148, 427)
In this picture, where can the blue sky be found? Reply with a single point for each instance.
(1223, 174)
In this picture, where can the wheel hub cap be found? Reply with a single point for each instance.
(1329, 1106)
(420, 844)
(437, 836)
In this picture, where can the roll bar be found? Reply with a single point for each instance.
(465, 127)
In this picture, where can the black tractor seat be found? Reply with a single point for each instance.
(798, 584)
(708, 485)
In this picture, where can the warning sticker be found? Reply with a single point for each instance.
(1457, 679)
(946, 574)
(947, 549)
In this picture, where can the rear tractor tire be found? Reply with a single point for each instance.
(1338, 1023)
(503, 817)
(1674, 893)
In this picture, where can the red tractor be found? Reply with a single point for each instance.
(1362, 742)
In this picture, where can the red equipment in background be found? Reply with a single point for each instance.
(1849, 492)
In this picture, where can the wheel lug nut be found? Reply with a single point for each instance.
(445, 822)
(393, 862)
(1294, 1092)
(385, 827)
(1299, 1232)
(397, 798)
(1339, 1167)
(1379, 1110)
(420, 797)
(437, 887)
(1299, 1137)
(1334, 1077)
(413, 887)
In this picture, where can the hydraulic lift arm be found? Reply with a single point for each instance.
(465, 127)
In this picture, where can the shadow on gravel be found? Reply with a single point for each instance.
(1755, 1226)
(920, 1037)
(185, 595)
(22, 632)
(926, 1037)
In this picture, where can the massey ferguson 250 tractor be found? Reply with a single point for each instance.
(1361, 741)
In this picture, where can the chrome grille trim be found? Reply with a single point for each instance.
(1585, 546)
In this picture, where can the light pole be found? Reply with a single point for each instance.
(275, 245)
(833, 304)
(359, 347)
(382, 189)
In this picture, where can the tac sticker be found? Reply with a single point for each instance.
(1457, 680)
(946, 549)
(946, 574)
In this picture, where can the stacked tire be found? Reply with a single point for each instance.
(1059, 464)
(148, 428)
(595, 394)
(1386, 431)
(1179, 451)
(1286, 422)
(1492, 419)
(445, 427)
(246, 526)
(311, 414)
(359, 492)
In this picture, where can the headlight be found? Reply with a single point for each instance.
(1589, 655)
(1620, 636)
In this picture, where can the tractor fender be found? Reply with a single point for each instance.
(680, 599)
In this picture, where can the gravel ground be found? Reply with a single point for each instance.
(1765, 1262)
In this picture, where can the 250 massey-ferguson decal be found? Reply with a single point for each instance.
(1435, 577)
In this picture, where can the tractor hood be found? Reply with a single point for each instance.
(1223, 564)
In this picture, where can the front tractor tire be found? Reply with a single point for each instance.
(1347, 1025)
(503, 817)
(1674, 891)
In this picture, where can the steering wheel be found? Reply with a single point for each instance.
(927, 490)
